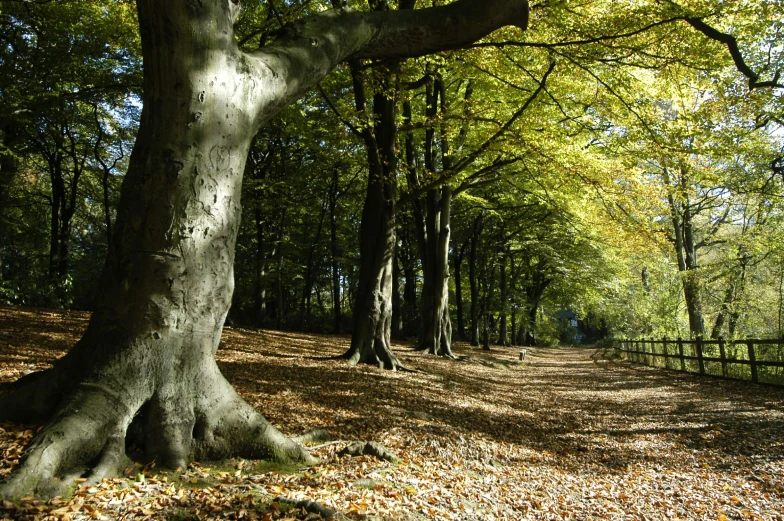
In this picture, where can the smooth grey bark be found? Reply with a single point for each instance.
(145, 369)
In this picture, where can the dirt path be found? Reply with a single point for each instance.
(566, 435)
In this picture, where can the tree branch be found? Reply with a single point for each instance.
(310, 48)
(737, 57)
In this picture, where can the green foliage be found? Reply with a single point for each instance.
(641, 117)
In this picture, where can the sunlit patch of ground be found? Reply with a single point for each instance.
(565, 435)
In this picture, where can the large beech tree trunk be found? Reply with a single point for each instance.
(145, 370)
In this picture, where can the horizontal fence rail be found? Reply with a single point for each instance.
(761, 361)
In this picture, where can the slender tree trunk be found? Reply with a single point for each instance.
(513, 333)
(397, 308)
(307, 286)
(458, 261)
(259, 282)
(472, 279)
(735, 310)
(687, 261)
(530, 330)
(56, 207)
(9, 168)
(107, 205)
(280, 297)
(503, 334)
(334, 253)
(534, 291)
(407, 257)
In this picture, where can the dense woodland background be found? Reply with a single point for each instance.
(607, 178)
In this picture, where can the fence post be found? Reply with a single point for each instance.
(723, 355)
(700, 360)
(752, 361)
(680, 353)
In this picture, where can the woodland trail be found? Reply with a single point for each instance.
(568, 434)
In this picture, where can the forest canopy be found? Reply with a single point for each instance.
(656, 122)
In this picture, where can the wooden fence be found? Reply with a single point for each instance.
(757, 360)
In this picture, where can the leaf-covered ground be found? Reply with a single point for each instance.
(566, 435)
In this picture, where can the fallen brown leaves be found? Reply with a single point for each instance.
(567, 435)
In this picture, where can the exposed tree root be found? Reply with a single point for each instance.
(312, 507)
(314, 436)
(185, 415)
(369, 448)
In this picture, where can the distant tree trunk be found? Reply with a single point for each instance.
(535, 287)
(729, 311)
(503, 334)
(472, 278)
(529, 338)
(106, 173)
(260, 271)
(458, 261)
(371, 338)
(513, 333)
(686, 252)
(487, 283)
(397, 308)
(334, 251)
(419, 227)
(280, 297)
(307, 285)
(9, 168)
(66, 161)
(407, 258)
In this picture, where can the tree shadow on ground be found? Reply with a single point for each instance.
(578, 409)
